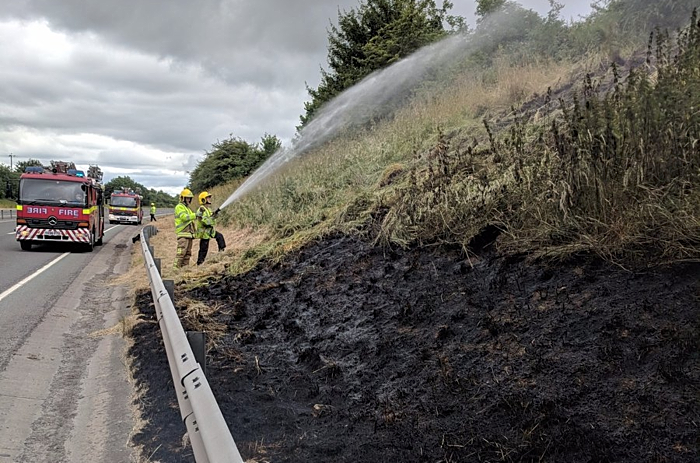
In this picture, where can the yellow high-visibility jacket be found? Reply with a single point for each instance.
(184, 221)
(205, 224)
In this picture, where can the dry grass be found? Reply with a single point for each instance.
(238, 242)
(507, 85)
(135, 277)
(123, 328)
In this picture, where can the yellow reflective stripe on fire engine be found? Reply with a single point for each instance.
(89, 211)
(125, 208)
(19, 208)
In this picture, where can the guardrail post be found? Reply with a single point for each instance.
(198, 343)
(170, 288)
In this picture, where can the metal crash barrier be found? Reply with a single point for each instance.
(208, 432)
(7, 214)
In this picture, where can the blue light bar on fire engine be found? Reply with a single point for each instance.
(76, 173)
(34, 170)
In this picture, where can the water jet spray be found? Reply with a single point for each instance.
(377, 95)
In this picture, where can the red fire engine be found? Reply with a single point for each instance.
(125, 207)
(60, 204)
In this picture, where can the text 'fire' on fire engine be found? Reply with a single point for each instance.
(59, 203)
(125, 207)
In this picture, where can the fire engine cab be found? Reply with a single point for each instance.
(59, 203)
(125, 207)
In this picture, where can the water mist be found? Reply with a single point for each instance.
(377, 94)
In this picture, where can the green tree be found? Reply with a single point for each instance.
(120, 182)
(231, 159)
(487, 7)
(21, 165)
(270, 144)
(643, 16)
(8, 182)
(373, 36)
(515, 31)
(161, 198)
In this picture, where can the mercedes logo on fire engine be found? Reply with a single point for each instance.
(53, 221)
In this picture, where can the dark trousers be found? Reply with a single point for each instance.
(153, 217)
(204, 247)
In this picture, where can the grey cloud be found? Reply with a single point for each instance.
(229, 37)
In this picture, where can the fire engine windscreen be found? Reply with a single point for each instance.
(54, 192)
(123, 201)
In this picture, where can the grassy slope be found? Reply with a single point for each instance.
(560, 176)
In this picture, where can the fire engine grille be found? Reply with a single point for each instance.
(44, 223)
(24, 233)
(124, 213)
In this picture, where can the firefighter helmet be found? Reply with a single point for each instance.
(203, 197)
(186, 193)
(153, 204)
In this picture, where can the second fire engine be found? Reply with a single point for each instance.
(125, 207)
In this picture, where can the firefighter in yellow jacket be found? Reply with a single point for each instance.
(206, 221)
(184, 228)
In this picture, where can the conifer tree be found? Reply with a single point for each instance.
(487, 7)
(373, 36)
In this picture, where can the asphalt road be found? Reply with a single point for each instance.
(64, 392)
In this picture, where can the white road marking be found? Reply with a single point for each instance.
(32, 276)
(38, 272)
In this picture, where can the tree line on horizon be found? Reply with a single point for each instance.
(9, 182)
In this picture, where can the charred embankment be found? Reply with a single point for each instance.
(349, 353)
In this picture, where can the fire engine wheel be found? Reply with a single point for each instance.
(91, 245)
(25, 245)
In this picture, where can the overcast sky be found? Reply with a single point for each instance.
(144, 87)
